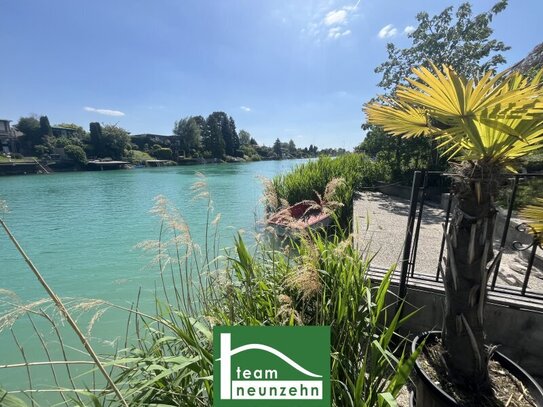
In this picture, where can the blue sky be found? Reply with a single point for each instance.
(291, 69)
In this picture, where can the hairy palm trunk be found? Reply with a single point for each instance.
(469, 250)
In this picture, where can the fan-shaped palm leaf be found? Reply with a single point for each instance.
(497, 119)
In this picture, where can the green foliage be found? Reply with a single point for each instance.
(357, 170)
(162, 153)
(528, 191)
(244, 138)
(459, 40)
(96, 138)
(277, 148)
(138, 157)
(320, 280)
(45, 127)
(9, 400)
(114, 142)
(77, 154)
(402, 155)
(30, 127)
(462, 41)
(213, 139)
(190, 135)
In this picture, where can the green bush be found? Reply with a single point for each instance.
(138, 157)
(162, 153)
(357, 170)
(77, 154)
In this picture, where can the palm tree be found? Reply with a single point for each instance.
(484, 125)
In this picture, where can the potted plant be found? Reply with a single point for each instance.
(484, 127)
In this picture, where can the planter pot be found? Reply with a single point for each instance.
(430, 395)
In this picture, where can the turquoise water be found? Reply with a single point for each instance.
(81, 228)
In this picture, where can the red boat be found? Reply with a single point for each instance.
(298, 217)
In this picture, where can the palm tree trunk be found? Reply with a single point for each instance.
(469, 249)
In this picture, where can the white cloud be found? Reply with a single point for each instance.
(330, 23)
(335, 17)
(337, 32)
(388, 31)
(409, 29)
(245, 108)
(106, 112)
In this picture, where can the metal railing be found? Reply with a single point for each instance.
(418, 203)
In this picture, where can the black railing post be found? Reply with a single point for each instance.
(402, 292)
(415, 247)
(535, 245)
(505, 230)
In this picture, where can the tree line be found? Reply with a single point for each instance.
(194, 137)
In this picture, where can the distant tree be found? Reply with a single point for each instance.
(96, 138)
(212, 139)
(461, 41)
(277, 148)
(292, 148)
(244, 138)
(230, 136)
(30, 127)
(77, 154)
(190, 135)
(45, 127)
(253, 142)
(115, 141)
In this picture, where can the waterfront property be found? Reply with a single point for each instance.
(60, 131)
(8, 137)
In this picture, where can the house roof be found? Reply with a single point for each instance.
(533, 61)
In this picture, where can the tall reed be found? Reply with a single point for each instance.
(317, 280)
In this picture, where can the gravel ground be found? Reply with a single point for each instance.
(380, 225)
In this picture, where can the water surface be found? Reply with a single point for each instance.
(81, 229)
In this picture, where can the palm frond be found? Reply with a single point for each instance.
(534, 216)
(498, 118)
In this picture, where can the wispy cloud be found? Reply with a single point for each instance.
(331, 24)
(106, 112)
(408, 29)
(337, 32)
(387, 31)
(245, 108)
(335, 17)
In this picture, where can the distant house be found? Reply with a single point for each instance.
(8, 137)
(63, 131)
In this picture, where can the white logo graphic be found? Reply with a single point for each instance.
(263, 384)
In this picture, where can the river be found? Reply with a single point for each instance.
(81, 228)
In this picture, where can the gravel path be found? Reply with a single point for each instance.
(380, 224)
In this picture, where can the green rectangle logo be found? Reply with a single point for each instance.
(261, 366)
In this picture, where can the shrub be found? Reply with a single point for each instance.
(77, 154)
(138, 157)
(306, 284)
(162, 153)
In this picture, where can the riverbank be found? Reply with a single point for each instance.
(31, 166)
